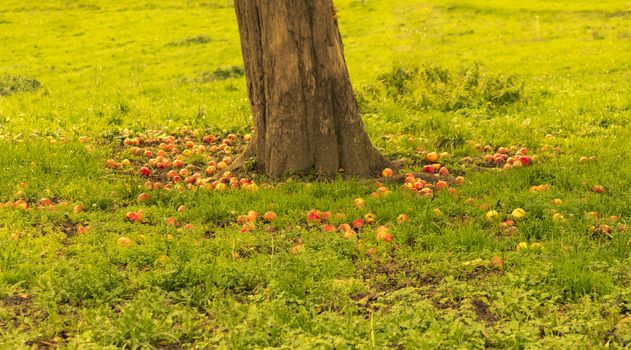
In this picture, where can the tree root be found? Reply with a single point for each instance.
(239, 163)
(238, 167)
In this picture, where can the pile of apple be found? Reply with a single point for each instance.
(502, 157)
(607, 227)
(183, 162)
(508, 157)
(432, 165)
(421, 186)
(426, 188)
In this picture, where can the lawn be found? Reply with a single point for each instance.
(94, 254)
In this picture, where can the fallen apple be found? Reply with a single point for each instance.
(144, 171)
(521, 246)
(345, 227)
(124, 241)
(518, 214)
(402, 218)
(432, 157)
(492, 215)
(314, 215)
(370, 218)
(269, 216)
(328, 228)
(497, 262)
(144, 197)
(598, 189)
(428, 169)
(558, 217)
(358, 223)
(441, 185)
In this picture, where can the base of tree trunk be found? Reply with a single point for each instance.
(378, 164)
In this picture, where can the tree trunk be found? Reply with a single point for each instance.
(306, 118)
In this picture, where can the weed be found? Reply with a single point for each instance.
(435, 88)
(11, 84)
(191, 40)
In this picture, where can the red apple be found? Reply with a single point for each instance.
(383, 236)
(427, 192)
(441, 185)
(269, 216)
(328, 228)
(209, 139)
(45, 202)
(358, 223)
(598, 189)
(82, 230)
(248, 226)
(171, 221)
(134, 216)
(314, 215)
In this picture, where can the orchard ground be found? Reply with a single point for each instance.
(96, 255)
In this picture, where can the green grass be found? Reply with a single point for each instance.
(71, 69)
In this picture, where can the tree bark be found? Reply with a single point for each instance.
(306, 118)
